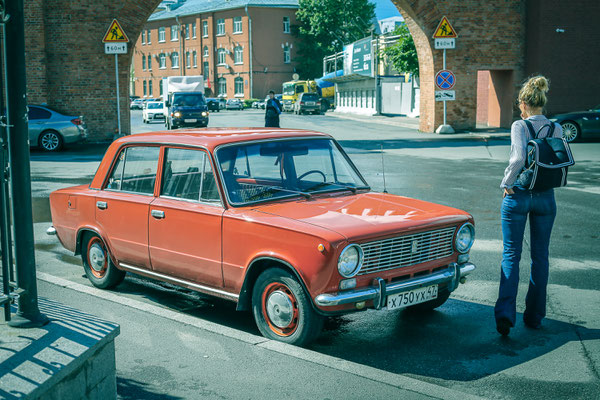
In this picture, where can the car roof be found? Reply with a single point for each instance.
(213, 137)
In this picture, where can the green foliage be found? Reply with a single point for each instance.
(324, 26)
(403, 54)
(248, 102)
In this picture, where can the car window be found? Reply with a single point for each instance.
(135, 170)
(38, 113)
(309, 96)
(189, 100)
(155, 106)
(187, 174)
(299, 89)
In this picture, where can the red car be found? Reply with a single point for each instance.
(279, 221)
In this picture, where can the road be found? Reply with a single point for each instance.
(455, 347)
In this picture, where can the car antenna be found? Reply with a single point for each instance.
(383, 169)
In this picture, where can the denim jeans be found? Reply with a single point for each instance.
(541, 209)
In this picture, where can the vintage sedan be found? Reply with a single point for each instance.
(279, 221)
(579, 124)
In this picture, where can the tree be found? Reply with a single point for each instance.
(325, 26)
(403, 54)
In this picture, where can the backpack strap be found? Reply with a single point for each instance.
(531, 130)
(536, 135)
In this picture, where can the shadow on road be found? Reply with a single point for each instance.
(130, 389)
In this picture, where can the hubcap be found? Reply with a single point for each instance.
(280, 309)
(50, 141)
(569, 131)
(97, 257)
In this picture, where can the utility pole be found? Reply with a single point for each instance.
(28, 314)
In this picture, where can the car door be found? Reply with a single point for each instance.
(38, 117)
(122, 206)
(185, 220)
(591, 123)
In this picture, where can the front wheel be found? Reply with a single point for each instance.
(98, 266)
(571, 131)
(282, 310)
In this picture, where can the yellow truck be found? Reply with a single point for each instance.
(293, 89)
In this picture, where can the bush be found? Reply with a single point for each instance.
(248, 102)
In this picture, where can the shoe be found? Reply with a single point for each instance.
(531, 325)
(503, 326)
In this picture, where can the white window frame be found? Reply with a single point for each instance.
(238, 51)
(145, 90)
(162, 61)
(143, 37)
(206, 69)
(237, 25)
(222, 93)
(162, 34)
(187, 31)
(286, 24)
(175, 60)
(205, 28)
(194, 30)
(287, 56)
(221, 56)
(143, 62)
(221, 27)
(205, 52)
(174, 33)
(237, 81)
(148, 36)
(150, 88)
(195, 58)
(149, 62)
(188, 60)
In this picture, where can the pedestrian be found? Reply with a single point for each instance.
(273, 109)
(518, 204)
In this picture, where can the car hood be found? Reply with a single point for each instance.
(368, 215)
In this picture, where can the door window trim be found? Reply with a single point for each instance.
(114, 163)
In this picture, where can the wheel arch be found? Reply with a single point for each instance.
(39, 138)
(82, 231)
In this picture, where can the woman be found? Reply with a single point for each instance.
(273, 109)
(518, 204)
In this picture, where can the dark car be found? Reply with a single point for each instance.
(187, 109)
(579, 124)
(51, 130)
(308, 103)
(213, 104)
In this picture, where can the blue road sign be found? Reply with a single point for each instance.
(445, 79)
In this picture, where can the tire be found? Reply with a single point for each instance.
(50, 141)
(98, 266)
(431, 305)
(276, 291)
(571, 131)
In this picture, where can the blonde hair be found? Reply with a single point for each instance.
(533, 92)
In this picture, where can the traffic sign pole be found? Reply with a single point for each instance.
(115, 42)
(444, 67)
(118, 100)
(444, 38)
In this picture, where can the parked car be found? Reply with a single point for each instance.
(136, 104)
(234, 104)
(308, 103)
(186, 109)
(153, 111)
(51, 130)
(222, 102)
(213, 104)
(279, 221)
(579, 124)
(263, 103)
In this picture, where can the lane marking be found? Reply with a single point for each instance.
(339, 364)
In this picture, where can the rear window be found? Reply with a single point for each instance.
(309, 96)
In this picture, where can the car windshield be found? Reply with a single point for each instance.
(288, 89)
(188, 100)
(264, 171)
(155, 105)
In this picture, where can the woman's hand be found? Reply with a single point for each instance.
(507, 192)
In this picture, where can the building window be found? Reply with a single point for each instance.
(162, 61)
(150, 88)
(187, 31)
(149, 62)
(143, 62)
(195, 58)
(239, 86)
(286, 24)
(145, 89)
(188, 59)
(160, 87)
(174, 33)
(205, 69)
(237, 24)
(222, 87)
(161, 34)
(286, 54)
(174, 59)
(221, 53)
(220, 27)
(204, 28)
(148, 36)
(143, 37)
(194, 29)
(238, 55)
(205, 51)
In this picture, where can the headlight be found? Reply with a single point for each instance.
(465, 238)
(204, 113)
(177, 114)
(350, 261)
(553, 119)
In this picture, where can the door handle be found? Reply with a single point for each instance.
(101, 205)
(157, 214)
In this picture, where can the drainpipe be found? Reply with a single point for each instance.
(250, 46)
(182, 57)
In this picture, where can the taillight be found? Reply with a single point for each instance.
(301, 102)
(318, 103)
(76, 121)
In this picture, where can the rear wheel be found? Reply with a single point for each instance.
(282, 310)
(571, 131)
(431, 305)
(51, 141)
(98, 266)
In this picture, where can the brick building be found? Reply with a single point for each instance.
(242, 48)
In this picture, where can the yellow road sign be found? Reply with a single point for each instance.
(444, 30)
(115, 34)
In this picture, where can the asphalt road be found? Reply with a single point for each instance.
(456, 346)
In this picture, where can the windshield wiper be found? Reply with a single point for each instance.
(353, 189)
(272, 189)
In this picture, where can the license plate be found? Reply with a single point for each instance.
(190, 120)
(412, 297)
(310, 103)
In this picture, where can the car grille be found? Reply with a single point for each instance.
(404, 251)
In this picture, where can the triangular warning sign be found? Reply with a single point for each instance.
(444, 30)
(115, 34)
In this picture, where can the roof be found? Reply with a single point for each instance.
(192, 7)
(213, 137)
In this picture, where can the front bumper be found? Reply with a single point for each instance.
(181, 121)
(378, 293)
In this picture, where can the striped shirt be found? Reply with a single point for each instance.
(519, 136)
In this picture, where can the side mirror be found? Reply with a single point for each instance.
(167, 103)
